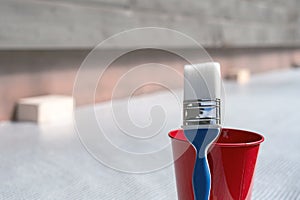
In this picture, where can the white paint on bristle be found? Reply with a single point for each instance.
(202, 81)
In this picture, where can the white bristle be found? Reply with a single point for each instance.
(202, 81)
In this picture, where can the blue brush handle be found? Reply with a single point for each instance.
(201, 179)
(201, 140)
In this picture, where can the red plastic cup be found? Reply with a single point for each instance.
(231, 158)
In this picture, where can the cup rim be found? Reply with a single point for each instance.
(173, 134)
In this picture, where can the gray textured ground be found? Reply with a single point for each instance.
(49, 162)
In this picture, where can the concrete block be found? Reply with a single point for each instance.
(241, 76)
(45, 109)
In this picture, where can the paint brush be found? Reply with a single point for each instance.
(202, 118)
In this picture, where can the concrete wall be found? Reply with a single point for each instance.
(43, 42)
(44, 24)
(26, 73)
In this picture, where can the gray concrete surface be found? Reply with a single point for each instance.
(49, 162)
(27, 24)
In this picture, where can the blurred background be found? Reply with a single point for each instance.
(43, 42)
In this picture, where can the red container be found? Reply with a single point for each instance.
(232, 160)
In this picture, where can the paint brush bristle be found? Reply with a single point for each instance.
(202, 81)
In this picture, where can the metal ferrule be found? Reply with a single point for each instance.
(201, 112)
